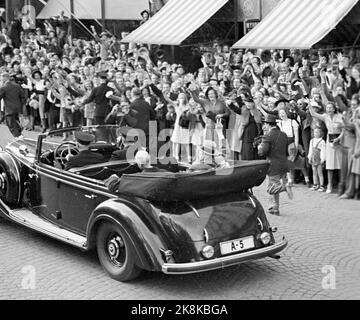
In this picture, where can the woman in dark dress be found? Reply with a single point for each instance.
(251, 131)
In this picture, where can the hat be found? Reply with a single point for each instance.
(294, 85)
(136, 92)
(285, 101)
(267, 72)
(103, 75)
(84, 138)
(130, 134)
(36, 72)
(144, 11)
(269, 118)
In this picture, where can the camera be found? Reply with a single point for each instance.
(257, 141)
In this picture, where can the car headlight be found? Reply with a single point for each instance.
(265, 238)
(208, 252)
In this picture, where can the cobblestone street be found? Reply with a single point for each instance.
(323, 232)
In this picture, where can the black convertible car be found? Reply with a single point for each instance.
(177, 222)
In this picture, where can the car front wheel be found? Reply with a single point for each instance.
(116, 253)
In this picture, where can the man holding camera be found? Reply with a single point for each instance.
(122, 116)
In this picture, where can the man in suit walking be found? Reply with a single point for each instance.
(98, 95)
(14, 99)
(274, 146)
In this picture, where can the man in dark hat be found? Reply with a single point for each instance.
(274, 146)
(85, 156)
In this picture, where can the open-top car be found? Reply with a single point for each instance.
(177, 222)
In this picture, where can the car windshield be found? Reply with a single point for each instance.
(102, 134)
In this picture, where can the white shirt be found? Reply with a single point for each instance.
(40, 85)
(289, 127)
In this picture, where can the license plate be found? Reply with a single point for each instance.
(237, 245)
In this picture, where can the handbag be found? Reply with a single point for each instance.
(184, 120)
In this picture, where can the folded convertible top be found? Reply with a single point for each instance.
(168, 186)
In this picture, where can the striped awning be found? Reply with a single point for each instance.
(296, 24)
(91, 9)
(176, 21)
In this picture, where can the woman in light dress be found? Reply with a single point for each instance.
(334, 124)
(181, 136)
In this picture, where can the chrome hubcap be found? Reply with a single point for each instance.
(114, 249)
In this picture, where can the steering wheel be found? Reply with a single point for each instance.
(63, 150)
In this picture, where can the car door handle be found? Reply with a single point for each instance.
(92, 196)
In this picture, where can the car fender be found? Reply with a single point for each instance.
(145, 242)
(10, 180)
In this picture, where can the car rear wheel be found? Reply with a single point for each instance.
(116, 252)
(9, 181)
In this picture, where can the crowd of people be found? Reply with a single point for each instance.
(221, 99)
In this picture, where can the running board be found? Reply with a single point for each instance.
(34, 222)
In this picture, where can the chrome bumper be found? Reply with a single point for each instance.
(217, 263)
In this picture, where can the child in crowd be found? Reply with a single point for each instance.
(316, 156)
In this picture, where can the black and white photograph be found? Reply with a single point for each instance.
(179, 156)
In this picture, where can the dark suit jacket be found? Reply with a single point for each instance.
(14, 98)
(102, 103)
(84, 158)
(143, 113)
(274, 146)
